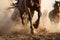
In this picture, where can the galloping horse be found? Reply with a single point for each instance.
(54, 15)
(34, 5)
(24, 5)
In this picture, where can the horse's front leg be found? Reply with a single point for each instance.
(37, 22)
(30, 19)
(32, 12)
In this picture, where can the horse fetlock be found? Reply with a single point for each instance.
(32, 31)
(36, 24)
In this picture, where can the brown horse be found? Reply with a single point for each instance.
(24, 5)
(34, 5)
(54, 15)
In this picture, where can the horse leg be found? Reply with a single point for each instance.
(30, 19)
(21, 13)
(32, 12)
(22, 21)
(37, 22)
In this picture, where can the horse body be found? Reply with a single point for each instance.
(54, 15)
(34, 5)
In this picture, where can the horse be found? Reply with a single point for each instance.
(22, 8)
(54, 15)
(34, 5)
(28, 7)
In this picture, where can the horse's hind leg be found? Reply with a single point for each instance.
(37, 22)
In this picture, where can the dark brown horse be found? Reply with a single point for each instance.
(24, 5)
(34, 5)
(54, 15)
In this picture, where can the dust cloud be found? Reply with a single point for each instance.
(7, 24)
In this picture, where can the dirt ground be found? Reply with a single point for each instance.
(17, 36)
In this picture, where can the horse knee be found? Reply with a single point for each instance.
(39, 12)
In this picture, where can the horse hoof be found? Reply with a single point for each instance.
(35, 25)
